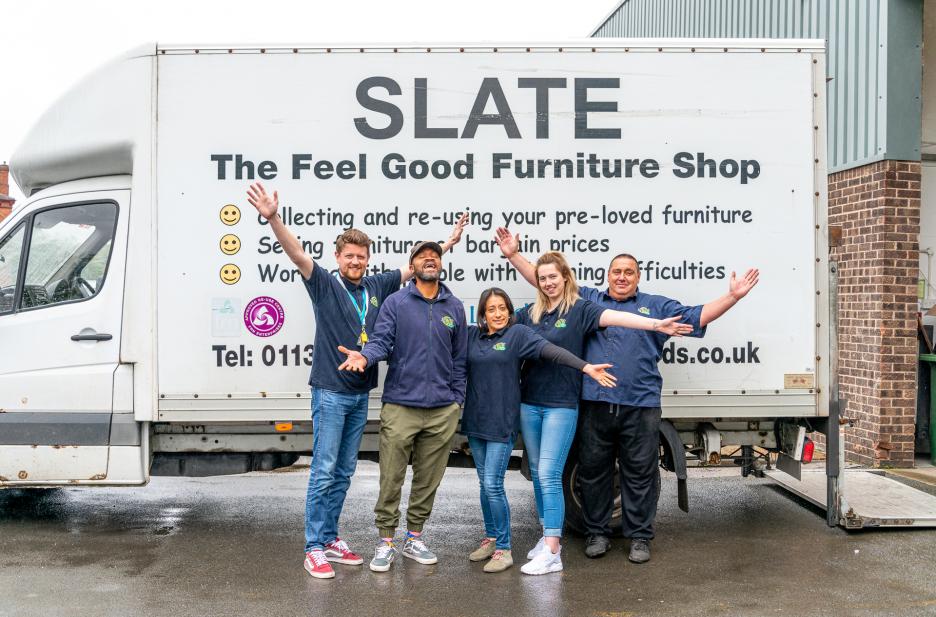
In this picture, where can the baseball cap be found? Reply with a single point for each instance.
(425, 244)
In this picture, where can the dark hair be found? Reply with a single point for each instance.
(624, 256)
(482, 305)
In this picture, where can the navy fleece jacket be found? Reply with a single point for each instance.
(425, 343)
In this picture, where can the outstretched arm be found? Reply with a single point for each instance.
(510, 246)
(559, 355)
(453, 239)
(737, 289)
(268, 206)
(629, 320)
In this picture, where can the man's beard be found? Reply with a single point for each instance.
(427, 277)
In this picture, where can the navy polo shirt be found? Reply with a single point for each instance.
(492, 401)
(634, 353)
(337, 322)
(547, 384)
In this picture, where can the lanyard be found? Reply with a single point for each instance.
(361, 311)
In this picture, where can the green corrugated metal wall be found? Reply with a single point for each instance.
(873, 100)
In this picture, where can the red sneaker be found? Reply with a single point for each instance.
(337, 551)
(317, 565)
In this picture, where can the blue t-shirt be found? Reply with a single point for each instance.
(337, 322)
(492, 402)
(547, 384)
(634, 353)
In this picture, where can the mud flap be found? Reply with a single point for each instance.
(674, 459)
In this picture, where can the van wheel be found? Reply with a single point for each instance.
(572, 493)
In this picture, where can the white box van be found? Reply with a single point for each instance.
(126, 276)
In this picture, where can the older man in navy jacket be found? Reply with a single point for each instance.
(422, 333)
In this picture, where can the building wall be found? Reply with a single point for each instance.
(873, 59)
(6, 202)
(878, 209)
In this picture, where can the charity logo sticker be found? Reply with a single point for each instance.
(226, 317)
(264, 316)
(643, 310)
(560, 323)
(230, 215)
(500, 346)
(448, 322)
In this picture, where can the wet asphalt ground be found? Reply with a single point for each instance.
(233, 546)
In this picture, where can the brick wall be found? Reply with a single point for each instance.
(6, 202)
(878, 207)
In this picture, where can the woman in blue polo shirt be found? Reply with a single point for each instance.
(550, 393)
(496, 350)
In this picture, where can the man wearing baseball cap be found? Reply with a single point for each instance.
(422, 333)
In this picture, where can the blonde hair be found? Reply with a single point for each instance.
(570, 294)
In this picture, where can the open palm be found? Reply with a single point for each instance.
(265, 204)
(739, 287)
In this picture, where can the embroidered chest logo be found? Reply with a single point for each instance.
(500, 346)
(448, 322)
(643, 310)
(374, 302)
(560, 323)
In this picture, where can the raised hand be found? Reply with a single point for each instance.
(670, 327)
(265, 204)
(356, 361)
(509, 243)
(599, 373)
(455, 238)
(738, 288)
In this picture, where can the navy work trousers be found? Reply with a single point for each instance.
(632, 435)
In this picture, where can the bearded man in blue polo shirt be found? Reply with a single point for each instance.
(623, 422)
(346, 309)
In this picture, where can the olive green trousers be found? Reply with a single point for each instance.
(426, 436)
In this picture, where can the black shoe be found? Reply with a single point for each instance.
(639, 551)
(596, 546)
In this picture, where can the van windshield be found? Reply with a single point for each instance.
(11, 250)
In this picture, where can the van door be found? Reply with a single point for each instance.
(61, 295)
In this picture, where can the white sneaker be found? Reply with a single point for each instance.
(545, 562)
(536, 549)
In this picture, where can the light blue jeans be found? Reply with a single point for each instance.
(547, 434)
(338, 421)
(491, 459)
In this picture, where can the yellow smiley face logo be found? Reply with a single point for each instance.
(230, 214)
(230, 244)
(230, 274)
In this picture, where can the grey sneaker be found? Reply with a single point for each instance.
(639, 551)
(384, 555)
(596, 546)
(416, 549)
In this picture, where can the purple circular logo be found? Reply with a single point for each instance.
(264, 316)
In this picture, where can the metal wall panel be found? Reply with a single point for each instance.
(869, 118)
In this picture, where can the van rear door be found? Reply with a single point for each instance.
(61, 294)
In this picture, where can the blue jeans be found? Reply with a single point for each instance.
(547, 435)
(338, 421)
(490, 459)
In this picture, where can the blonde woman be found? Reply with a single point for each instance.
(550, 392)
